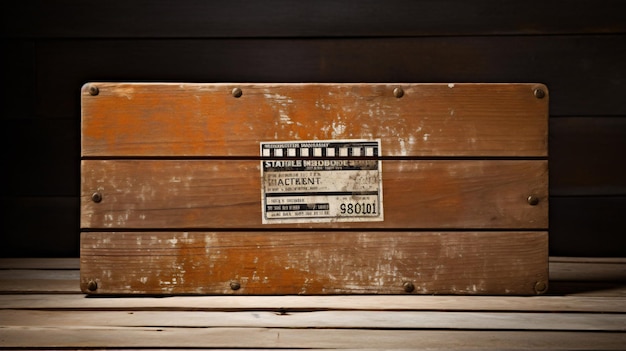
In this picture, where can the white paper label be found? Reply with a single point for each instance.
(321, 181)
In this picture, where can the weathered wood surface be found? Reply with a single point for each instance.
(226, 194)
(206, 120)
(314, 262)
(609, 322)
(570, 320)
(41, 133)
(310, 338)
(167, 157)
(566, 301)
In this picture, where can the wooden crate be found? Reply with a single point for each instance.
(379, 188)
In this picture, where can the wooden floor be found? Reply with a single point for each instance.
(42, 308)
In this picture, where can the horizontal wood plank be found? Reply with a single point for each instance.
(69, 263)
(588, 271)
(39, 286)
(588, 168)
(314, 263)
(615, 322)
(158, 338)
(598, 61)
(417, 194)
(206, 120)
(567, 302)
(280, 18)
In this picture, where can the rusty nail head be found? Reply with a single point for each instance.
(398, 92)
(237, 92)
(539, 93)
(96, 197)
(533, 200)
(541, 287)
(408, 287)
(93, 90)
(235, 285)
(92, 285)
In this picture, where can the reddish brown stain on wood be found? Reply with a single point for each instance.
(486, 149)
(206, 120)
(226, 194)
(314, 262)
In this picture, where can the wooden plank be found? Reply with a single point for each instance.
(417, 194)
(139, 119)
(39, 286)
(323, 319)
(588, 271)
(617, 261)
(326, 18)
(39, 263)
(598, 59)
(314, 262)
(577, 168)
(567, 288)
(294, 303)
(39, 281)
(588, 226)
(161, 337)
(586, 156)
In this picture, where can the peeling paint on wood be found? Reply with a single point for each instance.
(226, 194)
(205, 120)
(314, 262)
(177, 170)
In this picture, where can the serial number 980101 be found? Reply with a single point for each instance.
(359, 208)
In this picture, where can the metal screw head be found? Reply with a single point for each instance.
(96, 197)
(541, 287)
(92, 285)
(408, 287)
(533, 200)
(93, 90)
(235, 285)
(237, 92)
(398, 92)
(539, 93)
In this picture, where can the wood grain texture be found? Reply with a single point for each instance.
(572, 320)
(206, 120)
(81, 337)
(314, 262)
(324, 319)
(567, 301)
(227, 194)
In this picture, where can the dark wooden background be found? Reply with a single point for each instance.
(50, 48)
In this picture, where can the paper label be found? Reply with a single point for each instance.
(321, 181)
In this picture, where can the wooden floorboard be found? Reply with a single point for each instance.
(77, 302)
(269, 338)
(322, 320)
(41, 307)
